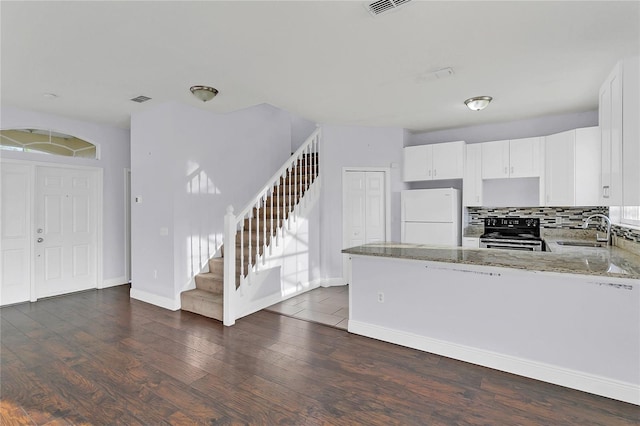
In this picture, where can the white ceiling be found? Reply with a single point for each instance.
(328, 61)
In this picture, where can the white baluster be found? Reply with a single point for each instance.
(264, 228)
(250, 238)
(242, 249)
(278, 221)
(307, 171)
(295, 188)
(271, 227)
(255, 258)
(289, 200)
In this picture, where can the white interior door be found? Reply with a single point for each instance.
(365, 210)
(66, 231)
(15, 286)
(375, 207)
(355, 209)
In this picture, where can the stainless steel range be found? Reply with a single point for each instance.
(512, 233)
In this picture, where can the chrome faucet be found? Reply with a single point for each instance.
(607, 239)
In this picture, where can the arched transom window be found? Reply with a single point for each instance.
(47, 142)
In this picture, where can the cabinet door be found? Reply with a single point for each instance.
(417, 163)
(610, 120)
(587, 159)
(495, 160)
(524, 157)
(471, 242)
(631, 133)
(448, 160)
(560, 169)
(472, 181)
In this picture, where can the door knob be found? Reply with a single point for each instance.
(40, 239)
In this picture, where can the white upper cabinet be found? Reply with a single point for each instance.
(417, 163)
(436, 161)
(514, 158)
(525, 156)
(495, 159)
(560, 169)
(610, 121)
(631, 133)
(572, 168)
(472, 181)
(587, 173)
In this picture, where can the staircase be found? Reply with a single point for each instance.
(257, 228)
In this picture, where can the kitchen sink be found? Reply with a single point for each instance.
(579, 243)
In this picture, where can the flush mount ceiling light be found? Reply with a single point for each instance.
(477, 103)
(204, 93)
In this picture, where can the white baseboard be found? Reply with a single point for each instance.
(332, 282)
(112, 282)
(154, 299)
(573, 379)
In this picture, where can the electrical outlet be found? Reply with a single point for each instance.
(380, 297)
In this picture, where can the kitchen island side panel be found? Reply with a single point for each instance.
(585, 324)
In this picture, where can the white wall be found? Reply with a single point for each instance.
(347, 146)
(301, 128)
(539, 126)
(114, 158)
(188, 165)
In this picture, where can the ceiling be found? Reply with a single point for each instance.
(328, 61)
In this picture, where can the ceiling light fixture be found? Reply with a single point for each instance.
(478, 103)
(204, 93)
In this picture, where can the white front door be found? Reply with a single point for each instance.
(365, 209)
(65, 231)
(15, 264)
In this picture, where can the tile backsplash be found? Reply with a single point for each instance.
(569, 217)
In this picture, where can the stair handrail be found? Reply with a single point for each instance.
(232, 222)
(273, 179)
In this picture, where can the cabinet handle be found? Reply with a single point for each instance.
(605, 192)
(506, 171)
(435, 172)
(511, 169)
(429, 172)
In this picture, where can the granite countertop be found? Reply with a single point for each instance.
(605, 261)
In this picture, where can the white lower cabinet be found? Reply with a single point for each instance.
(471, 242)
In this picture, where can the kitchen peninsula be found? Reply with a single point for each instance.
(572, 319)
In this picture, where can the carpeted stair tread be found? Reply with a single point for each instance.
(203, 303)
(209, 282)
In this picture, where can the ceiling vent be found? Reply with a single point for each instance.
(381, 6)
(140, 99)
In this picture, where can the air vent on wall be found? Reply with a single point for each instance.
(382, 6)
(140, 99)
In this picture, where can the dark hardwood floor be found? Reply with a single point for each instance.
(100, 358)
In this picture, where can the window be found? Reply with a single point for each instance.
(46, 142)
(627, 215)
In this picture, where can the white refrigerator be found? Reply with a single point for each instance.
(431, 216)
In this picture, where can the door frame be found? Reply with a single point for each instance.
(346, 270)
(98, 174)
(127, 224)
